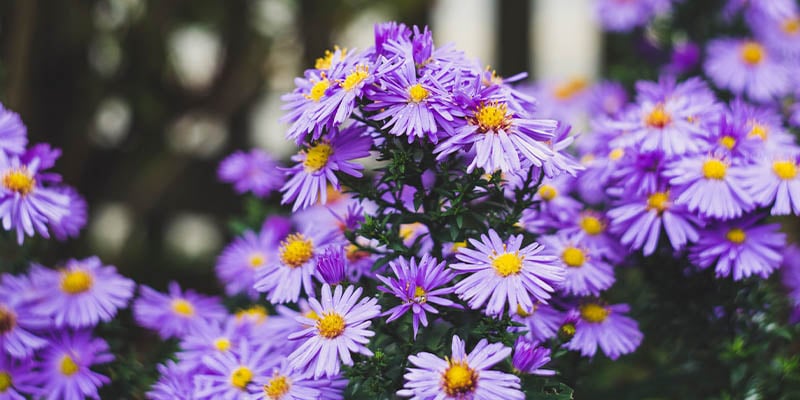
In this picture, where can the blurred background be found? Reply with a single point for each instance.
(146, 97)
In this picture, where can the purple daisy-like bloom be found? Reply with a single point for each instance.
(740, 248)
(462, 375)
(13, 134)
(230, 375)
(774, 181)
(418, 107)
(177, 312)
(542, 321)
(607, 327)
(624, 15)
(417, 284)
(25, 205)
(587, 273)
(747, 67)
(215, 337)
(668, 117)
(764, 126)
(18, 322)
(285, 275)
(331, 265)
(17, 378)
(238, 265)
(709, 185)
(285, 383)
(174, 382)
(498, 137)
(638, 220)
(340, 327)
(503, 272)
(71, 224)
(88, 292)
(561, 160)
(317, 165)
(64, 366)
(530, 356)
(254, 171)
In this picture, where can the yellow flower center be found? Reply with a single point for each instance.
(567, 331)
(406, 230)
(592, 225)
(68, 367)
(736, 236)
(573, 257)
(491, 117)
(19, 180)
(458, 245)
(785, 170)
(752, 53)
(318, 90)
(758, 130)
(728, 142)
(507, 264)
(76, 281)
(356, 77)
(324, 62)
(331, 325)
(5, 381)
(791, 25)
(182, 307)
(417, 93)
(420, 296)
(256, 314)
(8, 320)
(594, 313)
(317, 156)
(616, 154)
(296, 250)
(311, 314)
(222, 344)
(459, 379)
(570, 88)
(523, 312)
(548, 192)
(353, 253)
(658, 201)
(278, 386)
(714, 169)
(256, 260)
(241, 377)
(658, 117)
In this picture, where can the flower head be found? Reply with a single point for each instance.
(331, 265)
(238, 265)
(709, 185)
(231, 375)
(530, 356)
(177, 312)
(13, 134)
(17, 378)
(64, 366)
(254, 171)
(587, 273)
(747, 67)
(607, 327)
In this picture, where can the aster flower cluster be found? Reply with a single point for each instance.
(47, 319)
(32, 199)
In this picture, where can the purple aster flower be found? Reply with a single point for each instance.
(554, 198)
(773, 182)
(318, 164)
(88, 292)
(174, 382)
(294, 266)
(764, 126)
(340, 327)
(668, 117)
(254, 171)
(624, 15)
(414, 106)
(740, 248)
(731, 137)
(542, 321)
(462, 375)
(18, 322)
(175, 313)
(71, 224)
(502, 272)
(417, 285)
(709, 185)
(561, 160)
(386, 32)
(498, 137)
(215, 337)
(254, 323)
(64, 366)
(285, 383)
(590, 228)
(747, 67)
(638, 220)
(17, 378)
(13, 134)
(230, 375)
(564, 100)
(781, 33)
(331, 265)
(238, 265)
(607, 327)
(587, 273)
(530, 356)
(25, 205)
